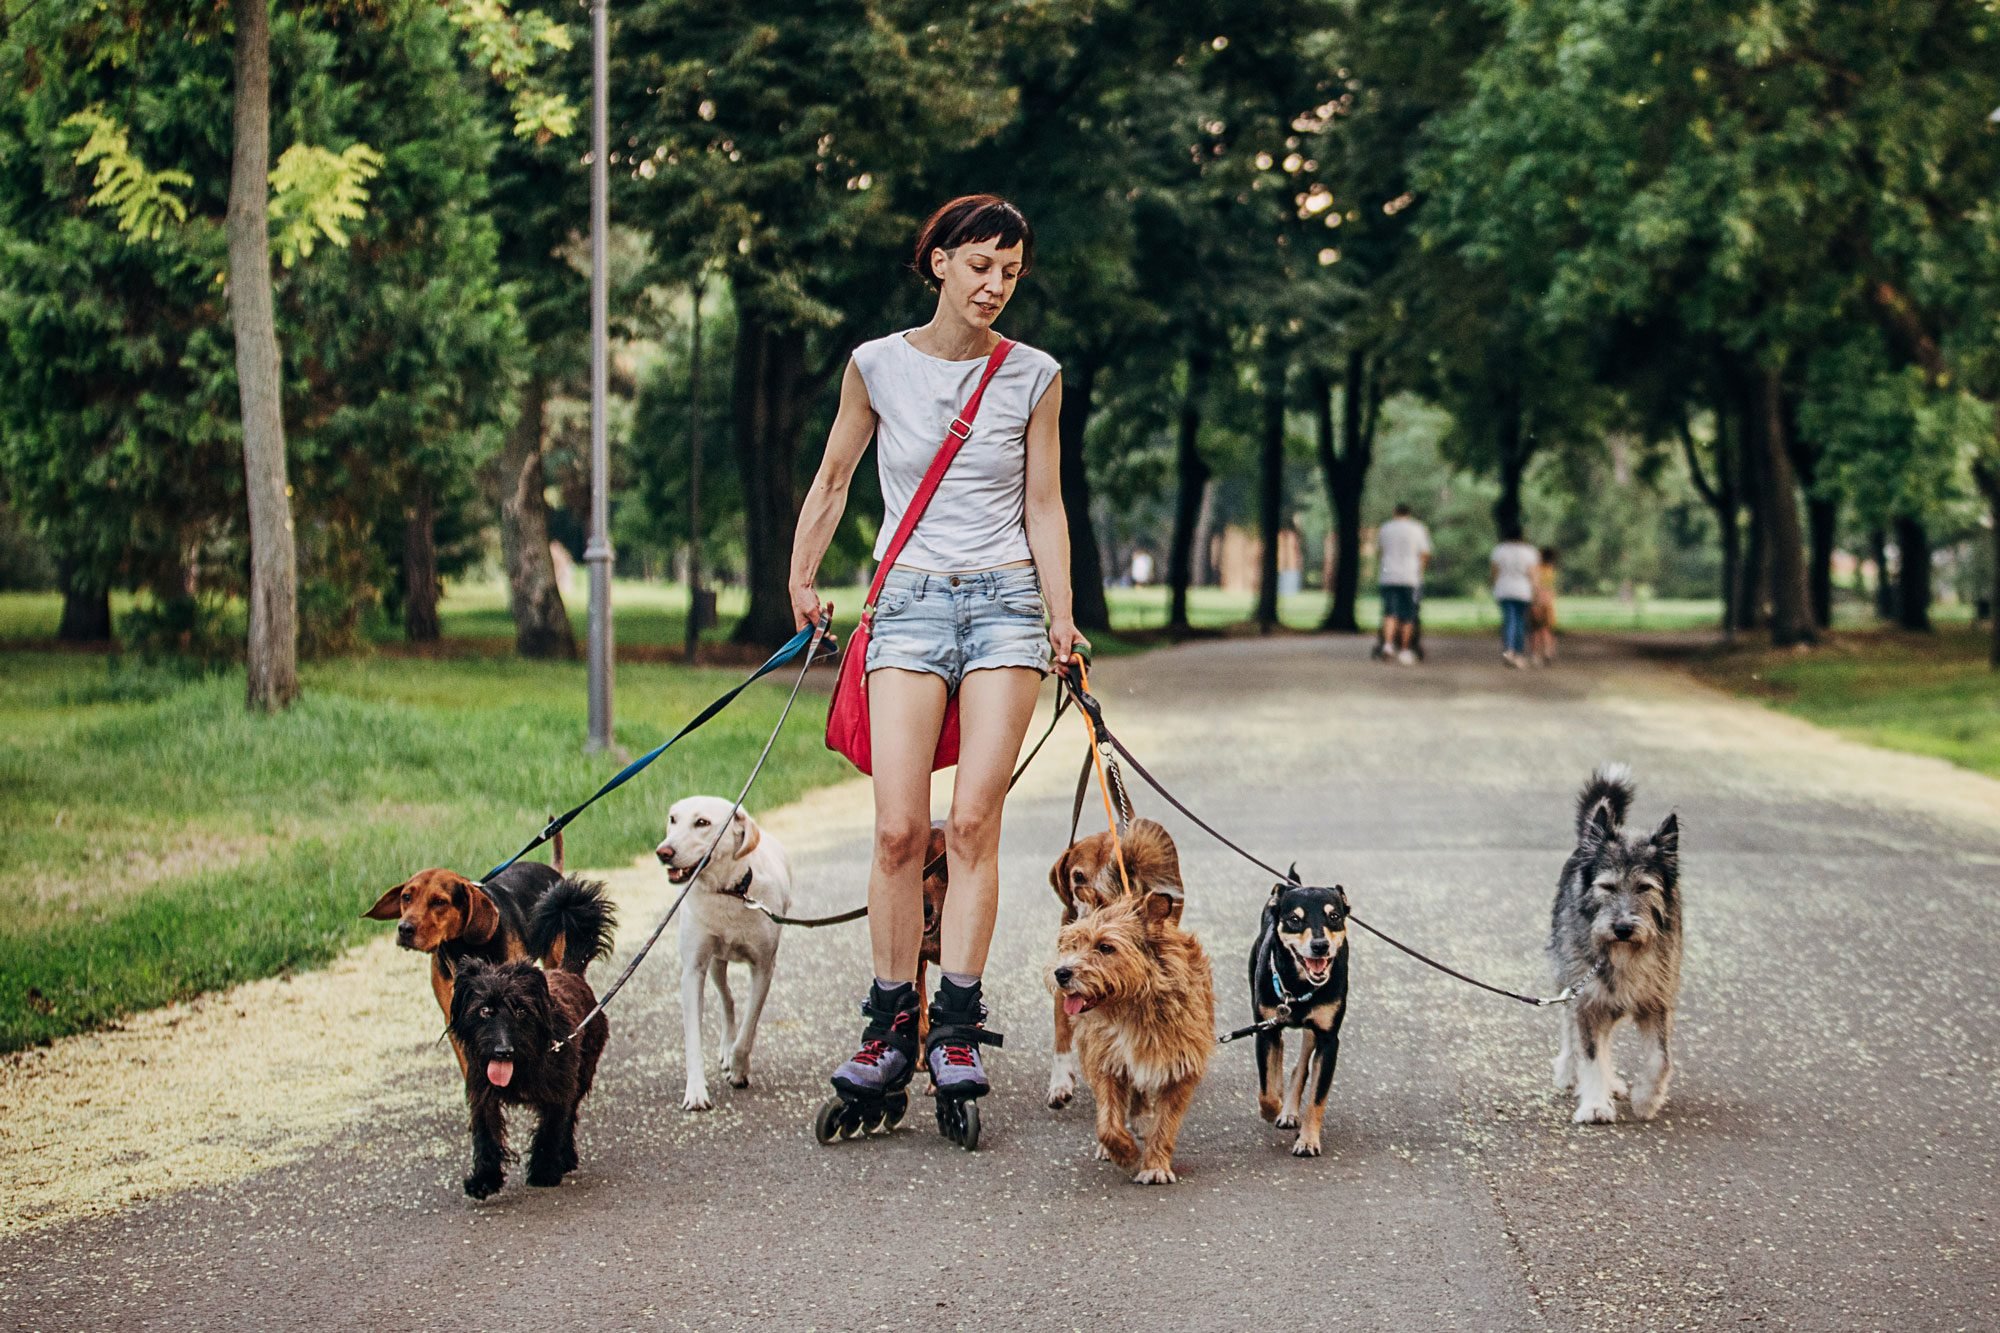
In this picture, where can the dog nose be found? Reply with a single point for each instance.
(1623, 930)
(1064, 976)
(1321, 948)
(665, 853)
(405, 932)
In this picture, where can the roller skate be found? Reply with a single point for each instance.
(873, 1086)
(951, 1051)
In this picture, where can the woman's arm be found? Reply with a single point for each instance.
(853, 427)
(1048, 528)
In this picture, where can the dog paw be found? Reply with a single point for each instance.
(1564, 1073)
(1595, 1113)
(1618, 1089)
(1161, 1175)
(482, 1185)
(544, 1175)
(1305, 1147)
(1287, 1120)
(697, 1100)
(1100, 1154)
(1646, 1103)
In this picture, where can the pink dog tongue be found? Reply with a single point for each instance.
(1073, 1005)
(499, 1072)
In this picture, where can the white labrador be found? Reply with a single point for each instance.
(718, 929)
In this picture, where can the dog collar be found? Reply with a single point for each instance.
(741, 888)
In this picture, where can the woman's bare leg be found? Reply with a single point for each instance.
(995, 706)
(905, 714)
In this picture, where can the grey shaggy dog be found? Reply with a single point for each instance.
(1615, 936)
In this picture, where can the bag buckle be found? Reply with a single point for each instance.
(961, 429)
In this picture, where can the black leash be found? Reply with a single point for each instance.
(856, 913)
(1096, 714)
(818, 631)
(810, 635)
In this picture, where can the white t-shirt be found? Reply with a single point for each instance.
(1514, 565)
(978, 518)
(1401, 545)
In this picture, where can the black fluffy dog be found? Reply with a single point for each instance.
(1298, 979)
(507, 1019)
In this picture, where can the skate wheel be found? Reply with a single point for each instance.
(871, 1119)
(968, 1137)
(826, 1124)
(894, 1109)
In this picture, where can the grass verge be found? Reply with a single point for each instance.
(162, 842)
(1928, 694)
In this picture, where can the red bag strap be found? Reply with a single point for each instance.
(955, 435)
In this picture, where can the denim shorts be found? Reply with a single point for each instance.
(949, 624)
(1399, 600)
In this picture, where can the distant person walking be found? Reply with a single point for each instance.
(1542, 611)
(1514, 566)
(1403, 553)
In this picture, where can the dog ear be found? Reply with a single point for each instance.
(1271, 903)
(1667, 837)
(482, 918)
(1161, 907)
(750, 836)
(389, 906)
(1059, 875)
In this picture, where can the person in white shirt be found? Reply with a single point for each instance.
(1403, 553)
(1514, 565)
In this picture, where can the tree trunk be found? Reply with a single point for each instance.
(1823, 522)
(1086, 565)
(1721, 497)
(274, 612)
(1988, 477)
(421, 588)
(1346, 476)
(1913, 574)
(1192, 472)
(1753, 576)
(1271, 486)
(541, 624)
(692, 633)
(767, 405)
(1885, 587)
(1791, 603)
(1511, 450)
(86, 611)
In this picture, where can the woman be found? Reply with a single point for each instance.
(1514, 563)
(977, 604)
(1542, 611)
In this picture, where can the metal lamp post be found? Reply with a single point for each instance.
(597, 554)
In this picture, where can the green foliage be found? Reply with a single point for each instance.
(144, 200)
(510, 47)
(315, 193)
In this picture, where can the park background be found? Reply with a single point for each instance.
(1706, 295)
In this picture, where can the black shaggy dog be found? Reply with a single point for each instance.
(1298, 979)
(507, 1019)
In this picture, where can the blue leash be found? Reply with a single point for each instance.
(791, 649)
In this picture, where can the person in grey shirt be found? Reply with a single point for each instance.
(1402, 554)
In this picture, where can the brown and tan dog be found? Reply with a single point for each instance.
(936, 884)
(1085, 877)
(1140, 994)
(528, 910)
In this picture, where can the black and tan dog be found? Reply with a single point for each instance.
(528, 910)
(514, 1021)
(1298, 979)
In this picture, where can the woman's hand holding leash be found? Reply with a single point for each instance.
(807, 608)
(1067, 642)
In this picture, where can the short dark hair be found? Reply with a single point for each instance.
(1403, 509)
(968, 219)
(1549, 554)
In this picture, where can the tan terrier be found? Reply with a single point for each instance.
(1140, 995)
(1085, 877)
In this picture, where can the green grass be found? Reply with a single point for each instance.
(1927, 694)
(162, 842)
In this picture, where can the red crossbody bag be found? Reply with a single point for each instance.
(847, 717)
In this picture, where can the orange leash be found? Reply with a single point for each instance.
(1103, 783)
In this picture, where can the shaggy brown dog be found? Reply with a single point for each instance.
(508, 1019)
(936, 884)
(1085, 877)
(1140, 993)
(527, 910)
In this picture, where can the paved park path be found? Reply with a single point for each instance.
(1830, 1158)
